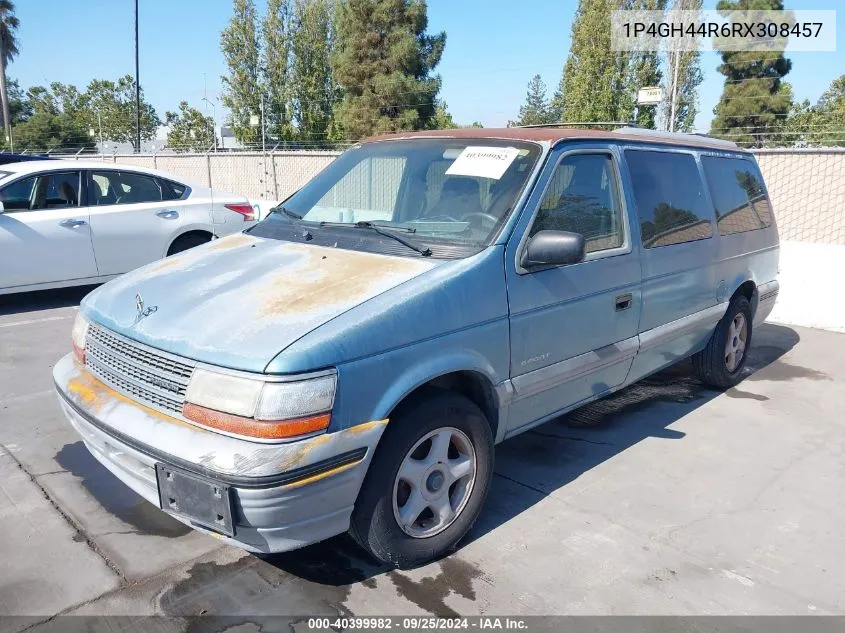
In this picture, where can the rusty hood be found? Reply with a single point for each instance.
(239, 301)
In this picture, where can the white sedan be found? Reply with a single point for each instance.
(66, 223)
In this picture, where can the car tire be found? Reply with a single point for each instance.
(414, 439)
(184, 242)
(715, 365)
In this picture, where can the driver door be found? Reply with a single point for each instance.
(573, 327)
(45, 235)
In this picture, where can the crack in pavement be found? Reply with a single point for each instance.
(523, 484)
(574, 439)
(79, 534)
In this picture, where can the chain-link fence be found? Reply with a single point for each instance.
(807, 186)
(270, 176)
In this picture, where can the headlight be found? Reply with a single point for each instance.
(255, 408)
(77, 337)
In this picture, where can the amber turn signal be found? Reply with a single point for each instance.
(249, 427)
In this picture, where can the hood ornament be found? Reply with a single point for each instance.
(139, 307)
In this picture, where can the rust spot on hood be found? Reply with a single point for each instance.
(327, 277)
(165, 264)
(233, 241)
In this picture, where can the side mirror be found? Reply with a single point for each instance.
(2, 208)
(554, 248)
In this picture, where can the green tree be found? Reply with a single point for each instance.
(831, 114)
(8, 50)
(639, 69)
(190, 129)
(276, 52)
(594, 76)
(383, 60)
(683, 76)
(442, 119)
(752, 105)
(537, 109)
(20, 108)
(242, 86)
(314, 91)
(112, 105)
(822, 124)
(54, 121)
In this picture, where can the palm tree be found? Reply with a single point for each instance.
(8, 49)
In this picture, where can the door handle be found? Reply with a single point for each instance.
(168, 214)
(623, 302)
(72, 223)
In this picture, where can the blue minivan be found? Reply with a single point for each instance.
(350, 362)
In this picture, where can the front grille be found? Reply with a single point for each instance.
(151, 377)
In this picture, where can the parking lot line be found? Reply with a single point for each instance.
(29, 321)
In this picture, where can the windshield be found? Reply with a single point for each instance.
(448, 191)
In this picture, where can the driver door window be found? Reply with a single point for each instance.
(582, 197)
(45, 191)
(18, 196)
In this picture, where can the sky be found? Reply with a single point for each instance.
(493, 48)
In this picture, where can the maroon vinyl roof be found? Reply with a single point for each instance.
(555, 135)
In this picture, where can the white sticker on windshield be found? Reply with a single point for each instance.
(483, 162)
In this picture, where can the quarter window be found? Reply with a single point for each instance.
(123, 187)
(736, 188)
(582, 198)
(670, 198)
(171, 190)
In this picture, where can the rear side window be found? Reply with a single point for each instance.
(582, 198)
(60, 190)
(738, 194)
(670, 198)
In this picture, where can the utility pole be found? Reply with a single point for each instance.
(209, 102)
(137, 88)
(263, 143)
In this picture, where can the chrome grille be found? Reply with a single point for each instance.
(151, 377)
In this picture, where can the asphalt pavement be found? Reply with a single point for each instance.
(666, 498)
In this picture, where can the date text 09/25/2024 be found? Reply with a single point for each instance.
(423, 623)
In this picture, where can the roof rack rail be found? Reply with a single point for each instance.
(588, 124)
(677, 136)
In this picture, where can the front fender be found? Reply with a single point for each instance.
(419, 374)
(379, 383)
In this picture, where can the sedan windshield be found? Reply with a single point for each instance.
(444, 191)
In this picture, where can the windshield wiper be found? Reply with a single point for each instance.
(287, 212)
(387, 231)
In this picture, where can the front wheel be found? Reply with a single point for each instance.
(427, 482)
(720, 364)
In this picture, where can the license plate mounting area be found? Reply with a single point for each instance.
(201, 501)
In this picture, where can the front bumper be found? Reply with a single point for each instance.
(284, 496)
